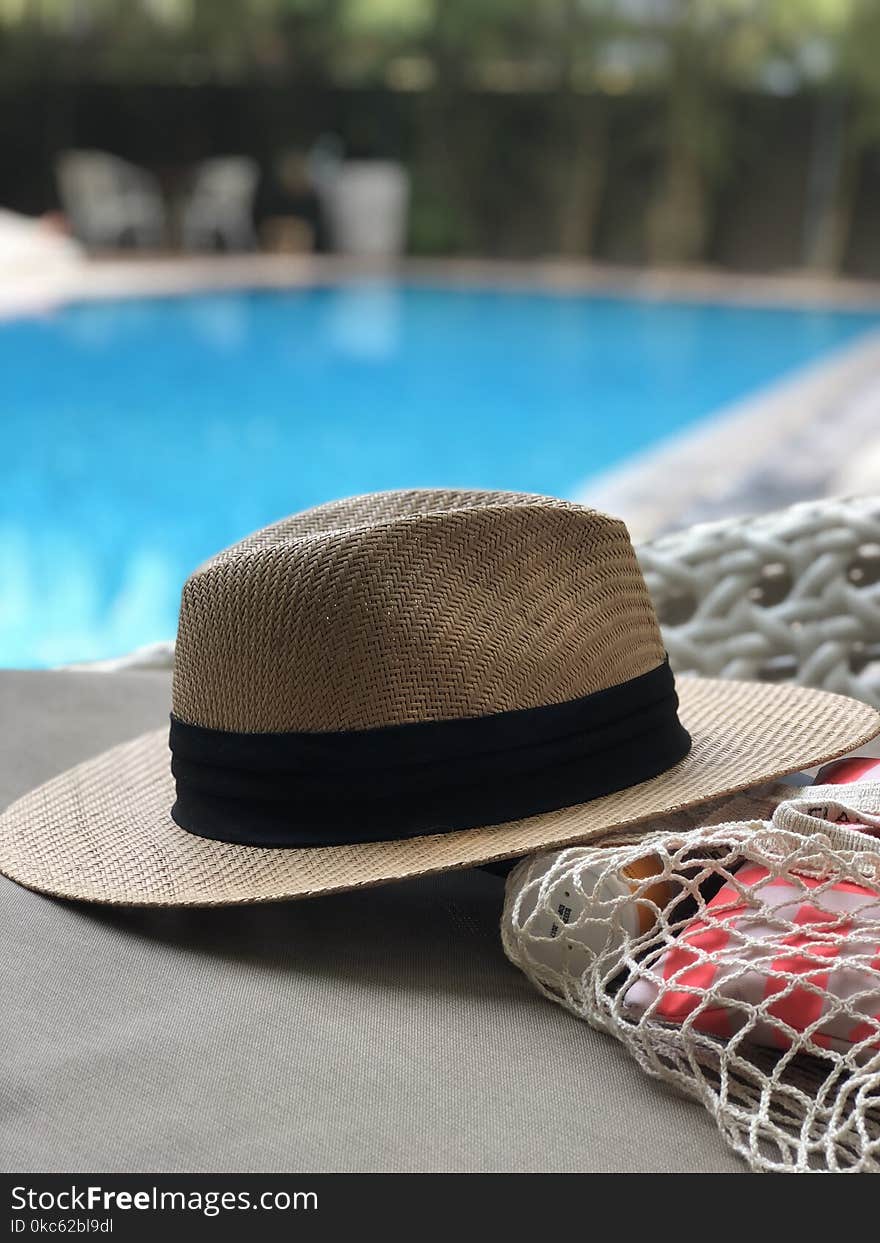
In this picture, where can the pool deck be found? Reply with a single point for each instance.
(121, 276)
(813, 434)
(816, 433)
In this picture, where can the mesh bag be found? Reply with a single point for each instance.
(739, 962)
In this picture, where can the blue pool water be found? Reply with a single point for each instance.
(140, 436)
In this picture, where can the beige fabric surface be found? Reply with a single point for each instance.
(379, 1030)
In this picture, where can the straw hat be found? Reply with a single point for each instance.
(400, 684)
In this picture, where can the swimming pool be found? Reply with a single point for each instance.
(141, 435)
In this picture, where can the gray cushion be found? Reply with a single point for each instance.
(377, 1031)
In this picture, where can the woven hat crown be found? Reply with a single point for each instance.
(402, 607)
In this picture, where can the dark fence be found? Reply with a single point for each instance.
(493, 174)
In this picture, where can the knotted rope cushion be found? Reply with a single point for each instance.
(793, 595)
(754, 982)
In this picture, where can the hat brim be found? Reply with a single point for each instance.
(102, 832)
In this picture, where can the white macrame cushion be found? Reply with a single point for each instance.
(790, 596)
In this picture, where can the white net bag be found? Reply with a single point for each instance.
(739, 962)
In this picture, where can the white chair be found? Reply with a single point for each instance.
(108, 201)
(367, 204)
(220, 206)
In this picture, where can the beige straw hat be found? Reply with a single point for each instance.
(400, 684)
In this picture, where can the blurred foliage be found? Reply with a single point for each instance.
(691, 55)
(612, 45)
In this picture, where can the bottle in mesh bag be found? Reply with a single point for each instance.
(847, 771)
(787, 955)
(757, 989)
(564, 908)
(574, 916)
